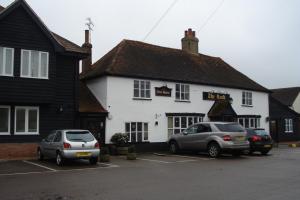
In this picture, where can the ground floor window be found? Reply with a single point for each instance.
(288, 125)
(177, 124)
(4, 120)
(249, 122)
(26, 120)
(137, 131)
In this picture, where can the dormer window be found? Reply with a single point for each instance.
(6, 61)
(34, 64)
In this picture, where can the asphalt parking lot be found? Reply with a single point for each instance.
(157, 176)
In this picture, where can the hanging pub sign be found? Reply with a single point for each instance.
(215, 96)
(163, 91)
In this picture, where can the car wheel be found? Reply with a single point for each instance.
(265, 152)
(40, 154)
(214, 150)
(59, 159)
(94, 160)
(174, 147)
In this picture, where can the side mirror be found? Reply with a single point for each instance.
(43, 140)
(185, 132)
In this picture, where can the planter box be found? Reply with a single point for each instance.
(122, 150)
(131, 156)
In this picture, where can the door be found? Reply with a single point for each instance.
(274, 130)
(56, 144)
(47, 144)
(201, 137)
(96, 126)
(185, 138)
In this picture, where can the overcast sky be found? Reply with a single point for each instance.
(260, 38)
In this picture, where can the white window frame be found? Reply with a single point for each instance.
(4, 61)
(247, 98)
(142, 90)
(136, 132)
(9, 110)
(184, 92)
(256, 121)
(39, 65)
(27, 108)
(172, 129)
(288, 125)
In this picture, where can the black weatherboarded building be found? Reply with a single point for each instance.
(39, 84)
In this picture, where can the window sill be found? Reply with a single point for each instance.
(40, 78)
(184, 101)
(142, 99)
(5, 75)
(26, 133)
(249, 106)
(4, 133)
(288, 131)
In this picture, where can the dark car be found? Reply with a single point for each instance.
(259, 141)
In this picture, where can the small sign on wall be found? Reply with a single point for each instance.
(215, 96)
(163, 91)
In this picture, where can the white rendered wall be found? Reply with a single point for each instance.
(296, 104)
(98, 87)
(123, 108)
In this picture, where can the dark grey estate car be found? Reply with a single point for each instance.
(69, 144)
(213, 137)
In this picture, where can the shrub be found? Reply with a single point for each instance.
(120, 139)
(104, 150)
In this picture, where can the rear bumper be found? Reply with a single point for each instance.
(74, 154)
(261, 147)
(230, 146)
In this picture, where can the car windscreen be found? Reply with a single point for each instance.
(261, 132)
(79, 136)
(230, 127)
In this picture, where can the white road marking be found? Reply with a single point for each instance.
(151, 160)
(183, 161)
(42, 166)
(109, 165)
(192, 157)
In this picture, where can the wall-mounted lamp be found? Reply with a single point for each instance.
(60, 108)
(156, 123)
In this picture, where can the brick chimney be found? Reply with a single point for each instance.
(190, 42)
(87, 62)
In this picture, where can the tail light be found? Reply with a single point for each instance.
(256, 138)
(227, 138)
(97, 145)
(67, 145)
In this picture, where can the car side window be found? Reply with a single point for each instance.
(203, 128)
(192, 129)
(57, 137)
(50, 137)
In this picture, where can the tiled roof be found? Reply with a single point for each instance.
(286, 96)
(66, 44)
(141, 60)
(88, 102)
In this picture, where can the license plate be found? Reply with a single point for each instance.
(268, 145)
(240, 138)
(83, 154)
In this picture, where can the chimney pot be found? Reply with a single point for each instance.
(190, 41)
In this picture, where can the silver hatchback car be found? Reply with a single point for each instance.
(69, 144)
(213, 137)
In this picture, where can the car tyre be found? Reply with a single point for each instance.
(94, 160)
(59, 159)
(214, 150)
(40, 154)
(174, 149)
